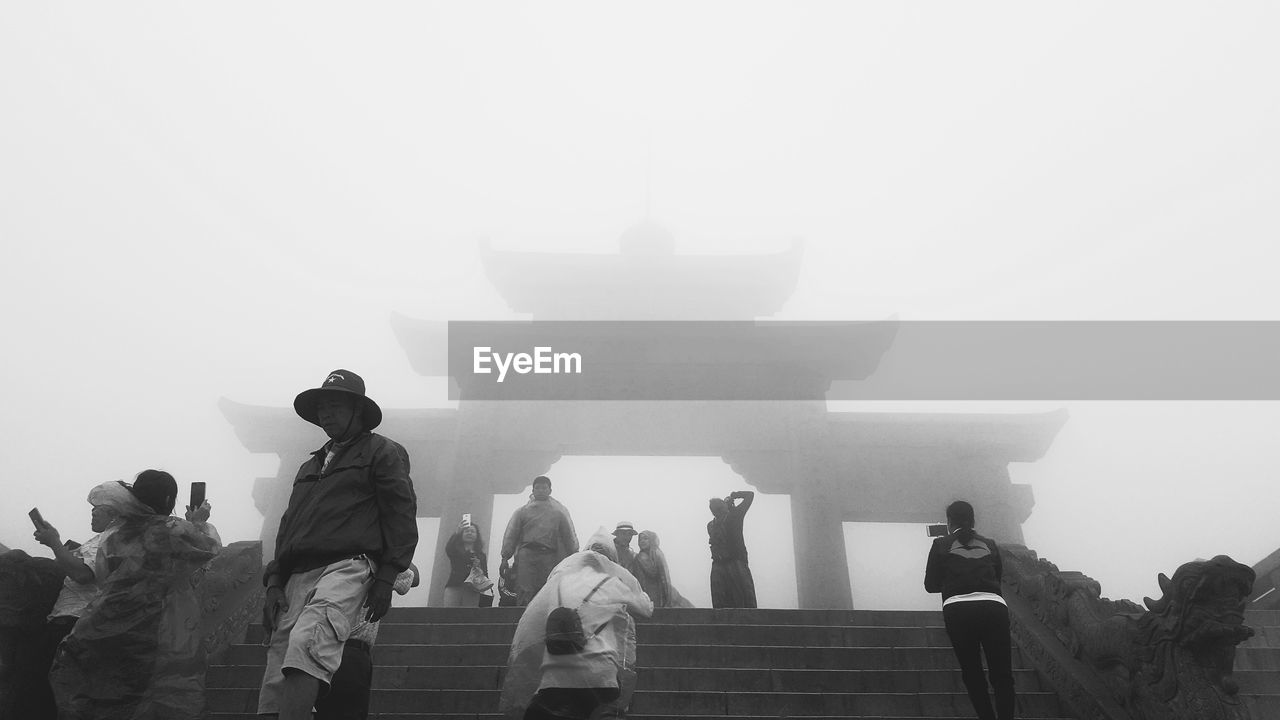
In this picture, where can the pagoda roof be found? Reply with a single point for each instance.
(263, 429)
(1013, 437)
(637, 285)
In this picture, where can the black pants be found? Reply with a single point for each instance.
(568, 703)
(348, 696)
(977, 628)
(40, 704)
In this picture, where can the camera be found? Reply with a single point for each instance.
(939, 530)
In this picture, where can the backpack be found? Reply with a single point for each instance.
(565, 635)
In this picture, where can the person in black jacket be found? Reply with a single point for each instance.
(465, 550)
(349, 530)
(965, 567)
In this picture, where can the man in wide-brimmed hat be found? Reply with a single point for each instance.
(349, 530)
(622, 535)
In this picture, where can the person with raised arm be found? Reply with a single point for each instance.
(731, 583)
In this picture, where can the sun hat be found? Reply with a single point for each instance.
(339, 381)
(624, 526)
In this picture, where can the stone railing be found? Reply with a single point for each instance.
(1115, 660)
(1266, 589)
(231, 593)
(28, 588)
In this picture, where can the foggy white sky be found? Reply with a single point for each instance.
(230, 201)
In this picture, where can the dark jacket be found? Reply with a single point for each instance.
(957, 568)
(460, 563)
(363, 504)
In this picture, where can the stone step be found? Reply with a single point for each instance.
(738, 616)
(691, 703)
(631, 716)
(695, 663)
(1264, 636)
(1255, 658)
(1258, 682)
(1257, 664)
(489, 677)
(1262, 706)
(721, 656)
(1256, 618)
(673, 634)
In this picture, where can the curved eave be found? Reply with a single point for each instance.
(276, 430)
(1022, 437)
(538, 283)
(425, 344)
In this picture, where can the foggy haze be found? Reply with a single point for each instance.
(210, 202)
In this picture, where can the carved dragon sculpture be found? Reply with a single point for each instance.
(1172, 661)
(1186, 643)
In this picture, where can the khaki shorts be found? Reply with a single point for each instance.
(324, 604)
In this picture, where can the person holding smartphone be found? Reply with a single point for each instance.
(465, 550)
(110, 502)
(966, 568)
(732, 585)
(131, 653)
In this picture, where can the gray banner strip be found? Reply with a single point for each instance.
(886, 360)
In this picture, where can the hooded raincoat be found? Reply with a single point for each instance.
(136, 652)
(607, 660)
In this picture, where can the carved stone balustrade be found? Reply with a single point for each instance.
(1115, 660)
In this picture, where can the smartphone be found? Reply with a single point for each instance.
(466, 519)
(36, 519)
(937, 530)
(197, 494)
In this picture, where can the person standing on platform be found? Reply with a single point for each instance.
(965, 567)
(622, 543)
(349, 530)
(650, 568)
(465, 550)
(731, 583)
(539, 535)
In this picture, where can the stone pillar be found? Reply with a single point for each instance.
(822, 568)
(271, 498)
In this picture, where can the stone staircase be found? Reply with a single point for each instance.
(693, 663)
(1258, 665)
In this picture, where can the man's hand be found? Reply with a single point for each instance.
(48, 535)
(200, 514)
(378, 600)
(274, 604)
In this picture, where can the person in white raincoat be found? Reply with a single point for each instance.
(597, 681)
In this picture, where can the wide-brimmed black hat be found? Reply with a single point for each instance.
(339, 381)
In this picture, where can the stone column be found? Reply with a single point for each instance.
(822, 568)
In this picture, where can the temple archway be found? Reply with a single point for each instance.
(835, 467)
(668, 495)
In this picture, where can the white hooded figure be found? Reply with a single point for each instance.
(596, 681)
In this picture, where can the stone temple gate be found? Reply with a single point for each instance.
(836, 467)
